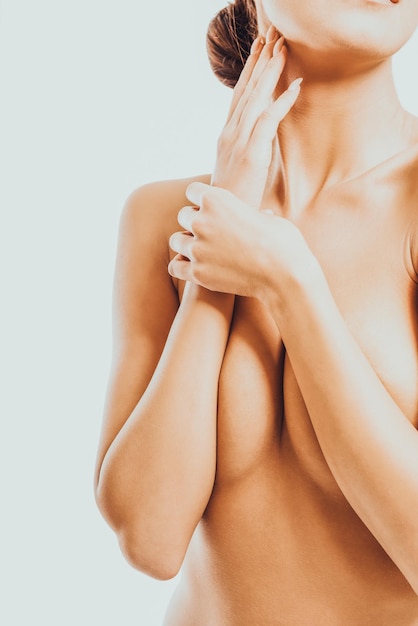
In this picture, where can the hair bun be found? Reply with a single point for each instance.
(229, 38)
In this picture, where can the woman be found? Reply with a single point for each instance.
(261, 422)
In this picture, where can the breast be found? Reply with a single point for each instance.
(364, 257)
(250, 402)
(263, 423)
(261, 409)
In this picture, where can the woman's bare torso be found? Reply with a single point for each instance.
(279, 544)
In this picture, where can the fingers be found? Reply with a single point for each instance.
(205, 196)
(263, 55)
(185, 217)
(274, 41)
(180, 268)
(246, 73)
(266, 126)
(195, 192)
(181, 243)
(263, 92)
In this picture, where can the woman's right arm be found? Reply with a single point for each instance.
(157, 456)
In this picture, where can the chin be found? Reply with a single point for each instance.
(370, 29)
(374, 36)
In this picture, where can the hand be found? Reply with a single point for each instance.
(245, 146)
(229, 247)
(245, 150)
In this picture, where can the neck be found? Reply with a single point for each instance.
(339, 128)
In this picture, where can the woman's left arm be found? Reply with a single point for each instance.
(369, 444)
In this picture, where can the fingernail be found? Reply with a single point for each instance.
(294, 85)
(278, 46)
(271, 34)
(256, 45)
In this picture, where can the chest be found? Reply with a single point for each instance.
(260, 404)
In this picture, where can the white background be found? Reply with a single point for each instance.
(96, 98)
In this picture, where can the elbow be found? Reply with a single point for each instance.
(153, 551)
(156, 560)
(106, 505)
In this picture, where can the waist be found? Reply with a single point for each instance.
(274, 554)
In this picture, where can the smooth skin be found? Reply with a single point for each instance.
(263, 432)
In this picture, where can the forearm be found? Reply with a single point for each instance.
(369, 444)
(158, 474)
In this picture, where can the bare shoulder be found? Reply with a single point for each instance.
(155, 205)
(147, 221)
(145, 299)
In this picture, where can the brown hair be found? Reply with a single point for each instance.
(229, 38)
